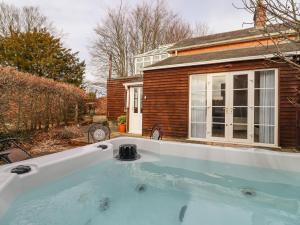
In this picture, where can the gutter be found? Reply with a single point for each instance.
(218, 61)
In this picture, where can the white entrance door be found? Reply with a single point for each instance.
(135, 110)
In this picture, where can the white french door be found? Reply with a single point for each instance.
(229, 106)
(241, 107)
(236, 107)
(218, 104)
(135, 110)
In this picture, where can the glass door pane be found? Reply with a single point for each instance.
(141, 99)
(240, 107)
(198, 106)
(264, 102)
(218, 106)
(135, 100)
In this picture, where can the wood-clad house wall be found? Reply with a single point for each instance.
(167, 98)
(228, 46)
(225, 46)
(116, 96)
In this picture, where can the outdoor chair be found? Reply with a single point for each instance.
(97, 133)
(12, 151)
(156, 132)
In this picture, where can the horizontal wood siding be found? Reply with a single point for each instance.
(116, 96)
(167, 98)
(288, 119)
(226, 46)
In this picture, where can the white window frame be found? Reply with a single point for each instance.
(142, 60)
(229, 97)
(136, 66)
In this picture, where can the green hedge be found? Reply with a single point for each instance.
(29, 102)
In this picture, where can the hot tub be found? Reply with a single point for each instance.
(171, 183)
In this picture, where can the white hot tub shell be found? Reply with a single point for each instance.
(48, 168)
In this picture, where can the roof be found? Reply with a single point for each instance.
(160, 50)
(225, 56)
(136, 78)
(226, 37)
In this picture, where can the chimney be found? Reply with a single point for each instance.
(110, 67)
(260, 16)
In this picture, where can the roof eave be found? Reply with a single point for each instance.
(246, 58)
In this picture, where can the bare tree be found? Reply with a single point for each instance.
(33, 19)
(153, 25)
(279, 21)
(200, 29)
(176, 30)
(126, 32)
(143, 35)
(25, 19)
(112, 40)
(9, 19)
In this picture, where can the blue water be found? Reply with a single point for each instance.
(170, 191)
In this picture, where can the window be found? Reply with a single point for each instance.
(147, 61)
(240, 106)
(141, 100)
(218, 106)
(139, 67)
(164, 56)
(156, 58)
(264, 104)
(198, 106)
(135, 100)
(144, 61)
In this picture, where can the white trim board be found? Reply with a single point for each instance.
(127, 85)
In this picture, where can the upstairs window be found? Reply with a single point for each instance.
(139, 65)
(142, 62)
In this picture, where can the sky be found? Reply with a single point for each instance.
(78, 18)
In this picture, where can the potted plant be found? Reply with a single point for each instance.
(122, 124)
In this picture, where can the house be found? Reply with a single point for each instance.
(217, 88)
(125, 93)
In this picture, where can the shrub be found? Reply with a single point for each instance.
(122, 119)
(92, 96)
(28, 102)
(66, 133)
(105, 123)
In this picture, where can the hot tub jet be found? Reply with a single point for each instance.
(141, 188)
(248, 192)
(104, 204)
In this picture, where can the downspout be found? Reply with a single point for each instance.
(110, 67)
(107, 83)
